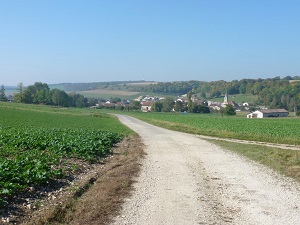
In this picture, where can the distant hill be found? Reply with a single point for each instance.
(113, 85)
(272, 92)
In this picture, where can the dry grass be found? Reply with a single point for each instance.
(141, 83)
(284, 161)
(98, 197)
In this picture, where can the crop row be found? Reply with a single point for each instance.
(29, 156)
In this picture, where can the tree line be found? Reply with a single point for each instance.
(271, 92)
(40, 93)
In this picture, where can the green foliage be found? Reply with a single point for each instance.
(14, 114)
(189, 105)
(272, 92)
(135, 105)
(167, 104)
(3, 97)
(171, 88)
(195, 108)
(33, 153)
(229, 110)
(40, 93)
(115, 99)
(29, 155)
(59, 97)
(179, 106)
(250, 98)
(157, 106)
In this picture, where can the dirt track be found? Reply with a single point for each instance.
(186, 180)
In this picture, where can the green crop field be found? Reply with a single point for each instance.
(36, 141)
(275, 130)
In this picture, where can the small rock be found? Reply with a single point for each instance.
(11, 219)
(31, 189)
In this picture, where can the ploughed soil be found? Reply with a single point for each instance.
(93, 194)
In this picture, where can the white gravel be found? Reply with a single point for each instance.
(186, 180)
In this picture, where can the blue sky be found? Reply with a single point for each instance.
(56, 41)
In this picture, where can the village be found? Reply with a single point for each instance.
(145, 104)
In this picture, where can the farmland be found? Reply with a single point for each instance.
(107, 94)
(276, 130)
(37, 141)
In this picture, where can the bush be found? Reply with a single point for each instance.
(229, 110)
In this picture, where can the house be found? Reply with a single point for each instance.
(268, 113)
(216, 107)
(146, 106)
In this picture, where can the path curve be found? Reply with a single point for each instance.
(187, 180)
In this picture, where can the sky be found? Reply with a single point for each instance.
(70, 41)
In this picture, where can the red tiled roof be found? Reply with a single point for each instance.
(146, 103)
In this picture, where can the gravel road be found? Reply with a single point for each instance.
(187, 180)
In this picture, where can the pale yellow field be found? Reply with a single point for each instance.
(110, 92)
(143, 83)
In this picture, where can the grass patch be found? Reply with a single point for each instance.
(13, 114)
(273, 130)
(286, 162)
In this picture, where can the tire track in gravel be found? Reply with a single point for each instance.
(187, 180)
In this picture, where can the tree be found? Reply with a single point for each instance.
(157, 106)
(178, 106)
(229, 110)
(252, 108)
(199, 108)
(18, 96)
(215, 94)
(167, 104)
(203, 94)
(41, 93)
(81, 101)
(257, 87)
(37, 93)
(189, 97)
(3, 97)
(115, 100)
(92, 101)
(59, 98)
(135, 105)
(27, 96)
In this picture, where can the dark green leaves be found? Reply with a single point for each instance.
(28, 156)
